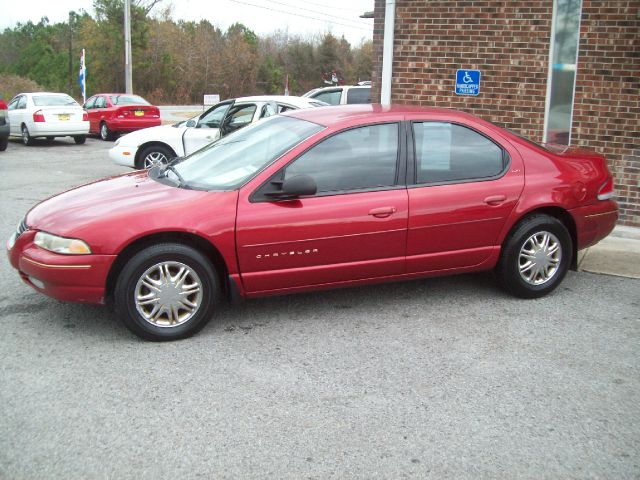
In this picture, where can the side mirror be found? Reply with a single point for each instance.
(299, 186)
(190, 123)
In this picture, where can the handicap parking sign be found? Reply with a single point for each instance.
(467, 82)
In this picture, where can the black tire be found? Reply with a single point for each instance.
(80, 139)
(50, 139)
(105, 133)
(543, 267)
(27, 139)
(3, 144)
(154, 155)
(162, 323)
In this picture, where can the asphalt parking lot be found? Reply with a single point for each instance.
(440, 378)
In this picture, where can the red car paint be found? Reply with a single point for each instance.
(319, 242)
(120, 118)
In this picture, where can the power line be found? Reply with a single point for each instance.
(335, 8)
(321, 13)
(299, 15)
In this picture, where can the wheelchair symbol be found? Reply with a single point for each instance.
(467, 78)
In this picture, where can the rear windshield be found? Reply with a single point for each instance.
(543, 146)
(128, 100)
(53, 100)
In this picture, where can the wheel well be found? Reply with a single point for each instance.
(141, 148)
(567, 220)
(194, 241)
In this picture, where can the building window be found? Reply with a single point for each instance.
(565, 35)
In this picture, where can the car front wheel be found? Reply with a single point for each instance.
(535, 257)
(166, 292)
(153, 156)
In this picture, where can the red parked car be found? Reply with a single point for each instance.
(114, 113)
(4, 126)
(315, 199)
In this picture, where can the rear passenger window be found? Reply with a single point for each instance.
(446, 152)
(359, 95)
(356, 159)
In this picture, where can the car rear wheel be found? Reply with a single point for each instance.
(535, 257)
(3, 144)
(26, 136)
(166, 292)
(154, 155)
(80, 139)
(105, 133)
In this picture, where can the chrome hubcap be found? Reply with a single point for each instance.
(168, 294)
(539, 258)
(103, 131)
(25, 135)
(155, 159)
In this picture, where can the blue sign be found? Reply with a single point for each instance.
(467, 82)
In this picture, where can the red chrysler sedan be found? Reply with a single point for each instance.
(315, 199)
(114, 113)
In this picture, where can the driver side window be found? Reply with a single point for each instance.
(90, 103)
(213, 117)
(356, 159)
(100, 102)
(14, 103)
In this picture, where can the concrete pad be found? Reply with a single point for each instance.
(613, 256)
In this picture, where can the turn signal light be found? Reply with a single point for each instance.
(38, 116)
(85, 117)
(606, 190)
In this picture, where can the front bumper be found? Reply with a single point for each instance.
(74, 278)
(125, 156)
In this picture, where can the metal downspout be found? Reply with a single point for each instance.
(387, 51)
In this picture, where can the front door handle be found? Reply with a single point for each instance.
(495, 199)
(382, 212)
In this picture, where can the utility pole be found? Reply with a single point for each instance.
(70, 53)
(127, 47)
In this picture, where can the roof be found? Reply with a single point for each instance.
(289, 99)
(333, 115)
(43, 93)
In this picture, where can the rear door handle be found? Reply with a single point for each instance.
(382, 212)
(495, 199)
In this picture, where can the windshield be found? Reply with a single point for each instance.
(53, 100)
(232, 160)
(128, 100)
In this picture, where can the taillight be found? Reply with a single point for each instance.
(38, 116)
(85, 117)
(606, 190)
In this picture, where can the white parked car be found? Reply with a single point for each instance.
(48, 115)
(157, 145)
(342, 94)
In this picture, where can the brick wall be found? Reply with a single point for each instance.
(509, 42)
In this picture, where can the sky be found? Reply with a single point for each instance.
(304, 17)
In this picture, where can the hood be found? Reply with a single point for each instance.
(118, 206)
(139, 136)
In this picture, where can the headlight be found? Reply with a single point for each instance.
(67, 246)
(117, 142)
